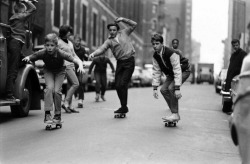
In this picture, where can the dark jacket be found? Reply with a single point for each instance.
(235, 64)
(167, 67)
(101, 64)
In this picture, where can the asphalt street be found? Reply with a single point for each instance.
(95, 136)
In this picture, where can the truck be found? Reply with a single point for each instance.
(205, 73)
(27, 88)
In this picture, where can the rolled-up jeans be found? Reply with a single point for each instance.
(168, 92)
(73, 83)
(53, 90)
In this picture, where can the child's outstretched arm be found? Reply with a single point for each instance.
(80, 65)
(26, 59)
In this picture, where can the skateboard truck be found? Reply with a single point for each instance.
(120, 115)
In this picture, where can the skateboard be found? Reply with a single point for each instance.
(170, 123)
(53, 125)
(120, 115)
(80, 105)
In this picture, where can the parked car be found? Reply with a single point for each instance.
(229, 96)
(219, 80)
(110, 78)
(146, 77)
(240, 118)
(136, 77)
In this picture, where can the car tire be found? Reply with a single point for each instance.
(22, 110)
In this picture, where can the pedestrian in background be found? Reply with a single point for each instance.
(100, 74)
(120, 44)
(18, 26)
(235, 64)
(82, 54)
(175, 45)
(54, 74)
(177, 70)
(66, 45)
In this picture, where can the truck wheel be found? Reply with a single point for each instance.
(226, 106)
(22, 110)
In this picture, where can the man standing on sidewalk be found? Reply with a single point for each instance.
(235, 64)
(120, 44)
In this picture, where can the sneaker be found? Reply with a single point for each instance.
(48, 118)
(97, 97)
(172, 117)
(103, 98)
(122, 110)
(57, 118)
(73, 110)
(67, 110)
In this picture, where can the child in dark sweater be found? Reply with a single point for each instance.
(54, 74)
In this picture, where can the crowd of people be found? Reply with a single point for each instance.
(63, 55)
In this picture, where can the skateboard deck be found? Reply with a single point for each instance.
(120, 115)
(53, 125)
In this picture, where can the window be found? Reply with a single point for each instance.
(103, 30)
(94, 29)
(84, 22)
(57, 15)
(72, 13)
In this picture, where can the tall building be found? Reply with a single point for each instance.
(238, 23)
(89, 19)
(175, 19)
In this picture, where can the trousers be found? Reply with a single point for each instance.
(168, 92)
(123, 74)
(53, 90)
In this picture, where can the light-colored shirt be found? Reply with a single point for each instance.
(121, 46)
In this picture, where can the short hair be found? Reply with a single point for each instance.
(18, 7)
(52, 37)
(64, 29)
(157, 37)
(77, 37)
(175, 40)
(113, 24)
(235, 41)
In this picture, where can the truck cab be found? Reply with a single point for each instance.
(27, 87)
(205, 73)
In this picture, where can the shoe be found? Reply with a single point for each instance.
(73, 110)
(173, 117)
(103, 98)
(48, 119)
(122, 110)
(57, 118)
(67, 110)
(80, 105)
(97, 97)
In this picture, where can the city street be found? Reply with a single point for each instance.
(95, 136)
